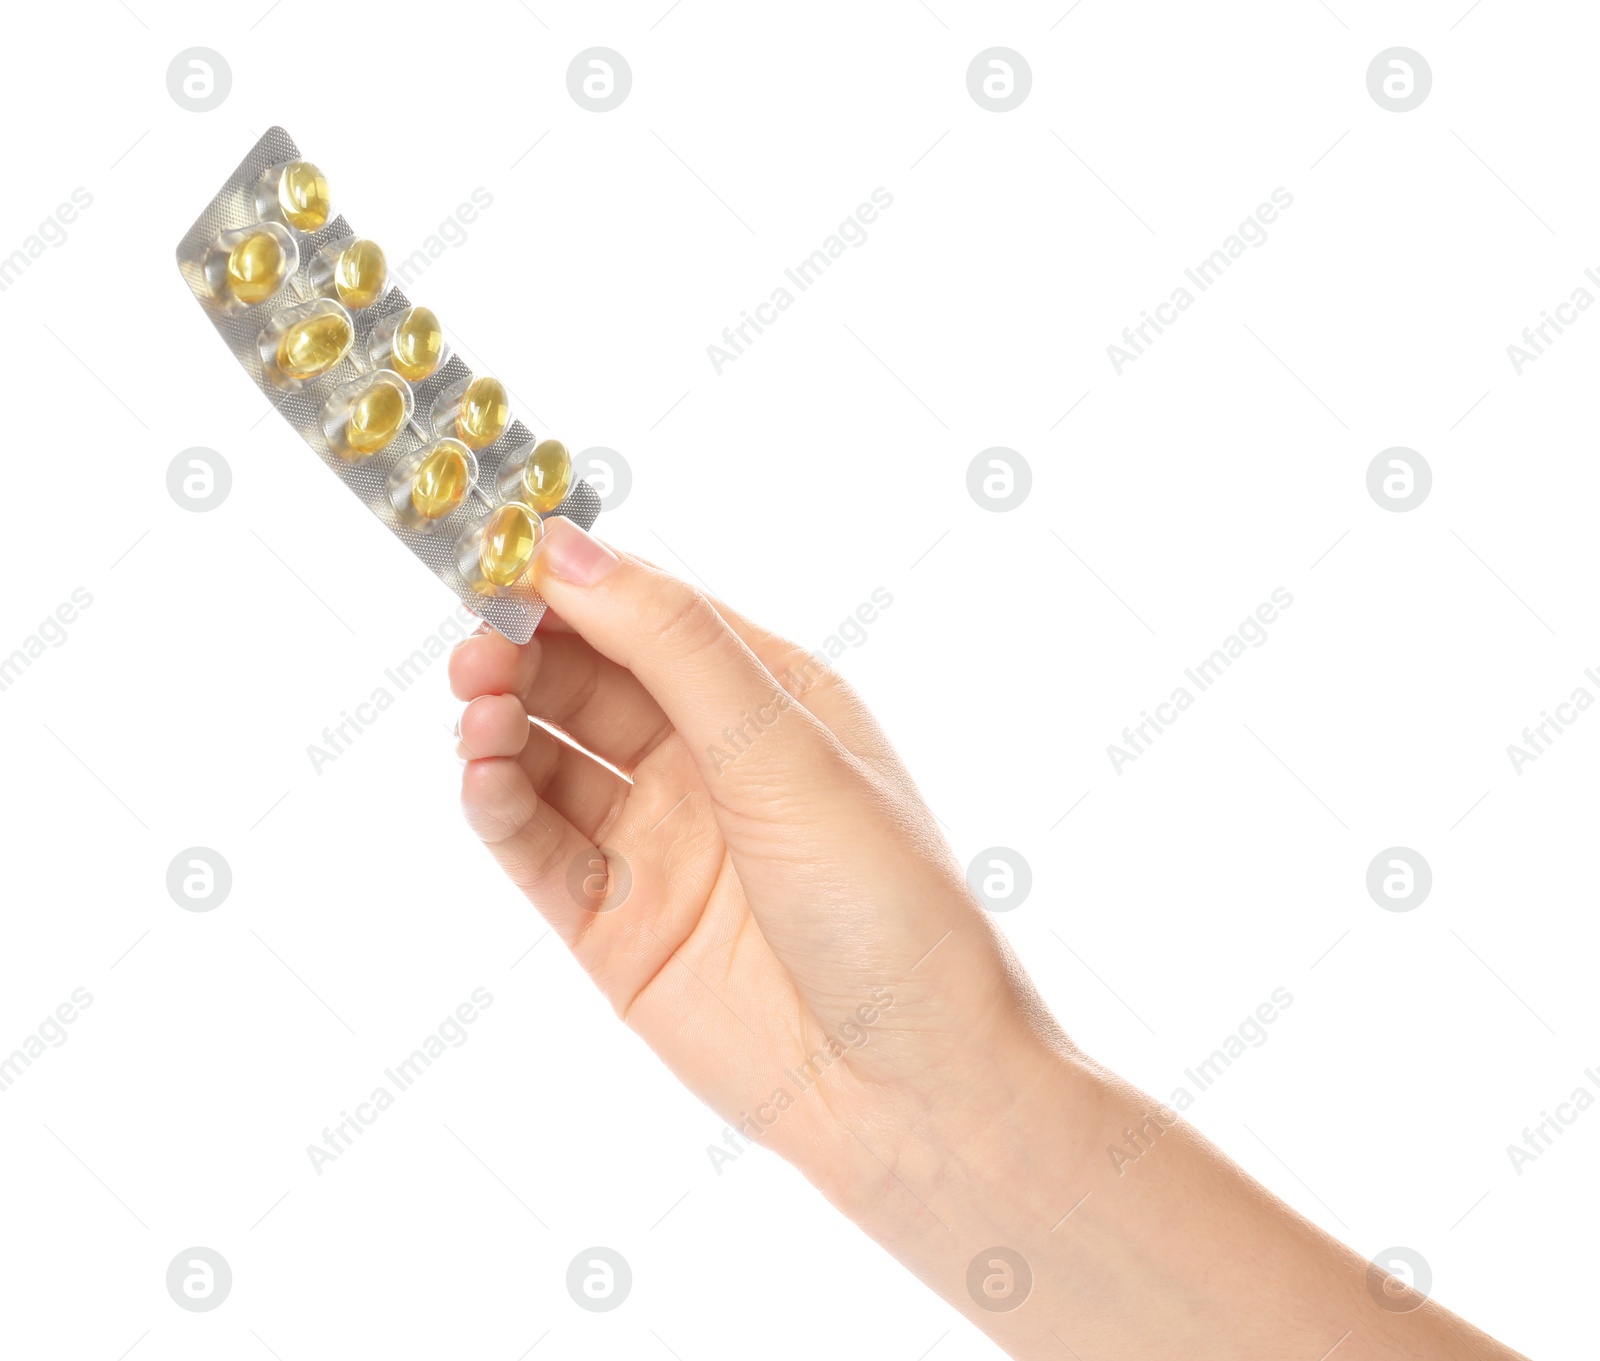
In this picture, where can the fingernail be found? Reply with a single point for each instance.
(569, 553)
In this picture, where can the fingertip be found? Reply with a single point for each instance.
(569, 553)
(491, 664)
(492, 725)
(463, 667)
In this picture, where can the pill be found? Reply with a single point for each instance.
(547, 475)
(360, 273)
(484, 413)
(303, 196)
(375, 418)
(257, 266)
(314, 344)
(442, 479)
(510, 535)
(417, 348)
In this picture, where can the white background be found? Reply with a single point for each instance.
(829, 460)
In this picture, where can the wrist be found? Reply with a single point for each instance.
(979, 1147)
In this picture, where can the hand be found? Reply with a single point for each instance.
(764, 897)
(768, 903)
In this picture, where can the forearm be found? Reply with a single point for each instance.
(796, 940)
(1176, 1253)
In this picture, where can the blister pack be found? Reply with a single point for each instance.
(369, 381)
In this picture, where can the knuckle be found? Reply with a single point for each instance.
(805, 676)
(683, 620)
(495, 811)
(533, 861)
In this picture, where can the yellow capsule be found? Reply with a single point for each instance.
(314, 345)
(376, 417)
(360, 274)
(547, 475)
(441, 481)
(485, 412)
(418, 345)
(256, 267)
(509, 539)
(303, 196)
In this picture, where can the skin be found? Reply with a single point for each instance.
(719, 831)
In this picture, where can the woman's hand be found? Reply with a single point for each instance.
(763, 896)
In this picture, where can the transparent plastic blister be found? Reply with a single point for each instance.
(368, 380)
